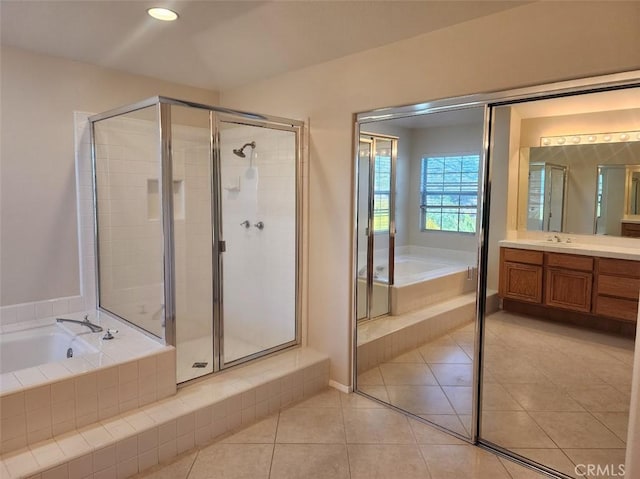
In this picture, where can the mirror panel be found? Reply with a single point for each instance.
(565, 188)
(418, 355)
(557, 380)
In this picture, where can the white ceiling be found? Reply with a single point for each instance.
(224, 44)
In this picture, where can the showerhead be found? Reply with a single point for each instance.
(240, 151)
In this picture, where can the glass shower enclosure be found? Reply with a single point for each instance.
(198, 230)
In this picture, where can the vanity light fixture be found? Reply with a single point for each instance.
(614, 137)
(164, 14)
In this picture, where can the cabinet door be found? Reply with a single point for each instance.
(521, 281)
(568, 289)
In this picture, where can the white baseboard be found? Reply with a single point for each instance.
(340, 387)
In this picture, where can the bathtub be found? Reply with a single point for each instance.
(422, 278)
(35, 346)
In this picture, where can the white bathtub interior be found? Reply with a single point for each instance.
(39, 345)
(30, 367)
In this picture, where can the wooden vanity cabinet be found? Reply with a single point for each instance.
(630, 229)
(521, 274)
(595, 292)
(568, 281)
(616, 288)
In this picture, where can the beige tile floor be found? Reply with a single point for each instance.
(334, 435)
(554, 393)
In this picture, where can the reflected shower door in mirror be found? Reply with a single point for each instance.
(547, 185)
(418, 355)
(376, 168)
(558, 354)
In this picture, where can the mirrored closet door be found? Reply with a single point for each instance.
(513, 298)
(418, 196)
(558, 351)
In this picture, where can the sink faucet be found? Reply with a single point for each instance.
(93, 327)
(557, 238)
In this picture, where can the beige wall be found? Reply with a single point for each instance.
(38, 232)
(536, 43)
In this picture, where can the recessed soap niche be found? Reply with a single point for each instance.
(153, 199)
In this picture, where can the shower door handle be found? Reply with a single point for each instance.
(222, 246)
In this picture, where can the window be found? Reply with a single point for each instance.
(381, 193)
(449, 193)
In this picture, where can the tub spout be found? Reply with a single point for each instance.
(93, 327)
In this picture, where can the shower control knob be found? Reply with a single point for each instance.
(246, 224)
(259, 225)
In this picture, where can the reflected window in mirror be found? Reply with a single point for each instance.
(449, 193)
(381, 191)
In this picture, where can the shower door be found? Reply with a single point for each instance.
(257, 230)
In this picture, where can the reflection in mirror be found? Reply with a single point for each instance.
(547, 186)
(376, 160)
(634, 197)
(565, 188)
(558, 355)
(418, 356)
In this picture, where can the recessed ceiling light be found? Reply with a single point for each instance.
(163, 14)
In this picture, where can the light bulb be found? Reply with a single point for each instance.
(606, 137)
(592, 138)
(163, 14)
(575, 140)
(624, 137)
(546, 141)
(561, 141)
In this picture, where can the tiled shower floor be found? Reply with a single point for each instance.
(201, 349)
(553, 393)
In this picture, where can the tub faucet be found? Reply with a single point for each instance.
(93, 327)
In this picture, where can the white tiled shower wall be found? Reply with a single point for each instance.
(130, 229)
(130, 214)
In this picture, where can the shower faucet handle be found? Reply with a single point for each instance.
(246, 224)
(259, 225)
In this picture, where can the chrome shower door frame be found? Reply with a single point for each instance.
(216, 114)
(295, 127)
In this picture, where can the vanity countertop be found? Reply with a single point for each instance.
(630, 220)
(586, 249)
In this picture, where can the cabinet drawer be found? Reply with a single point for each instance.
(568, 289)
(619, 286)
(570, 261)
(617, 308)
(619, 267)
(522, 256)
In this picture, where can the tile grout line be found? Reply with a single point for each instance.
(275, 438)
(344, 429)
(195, 458)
